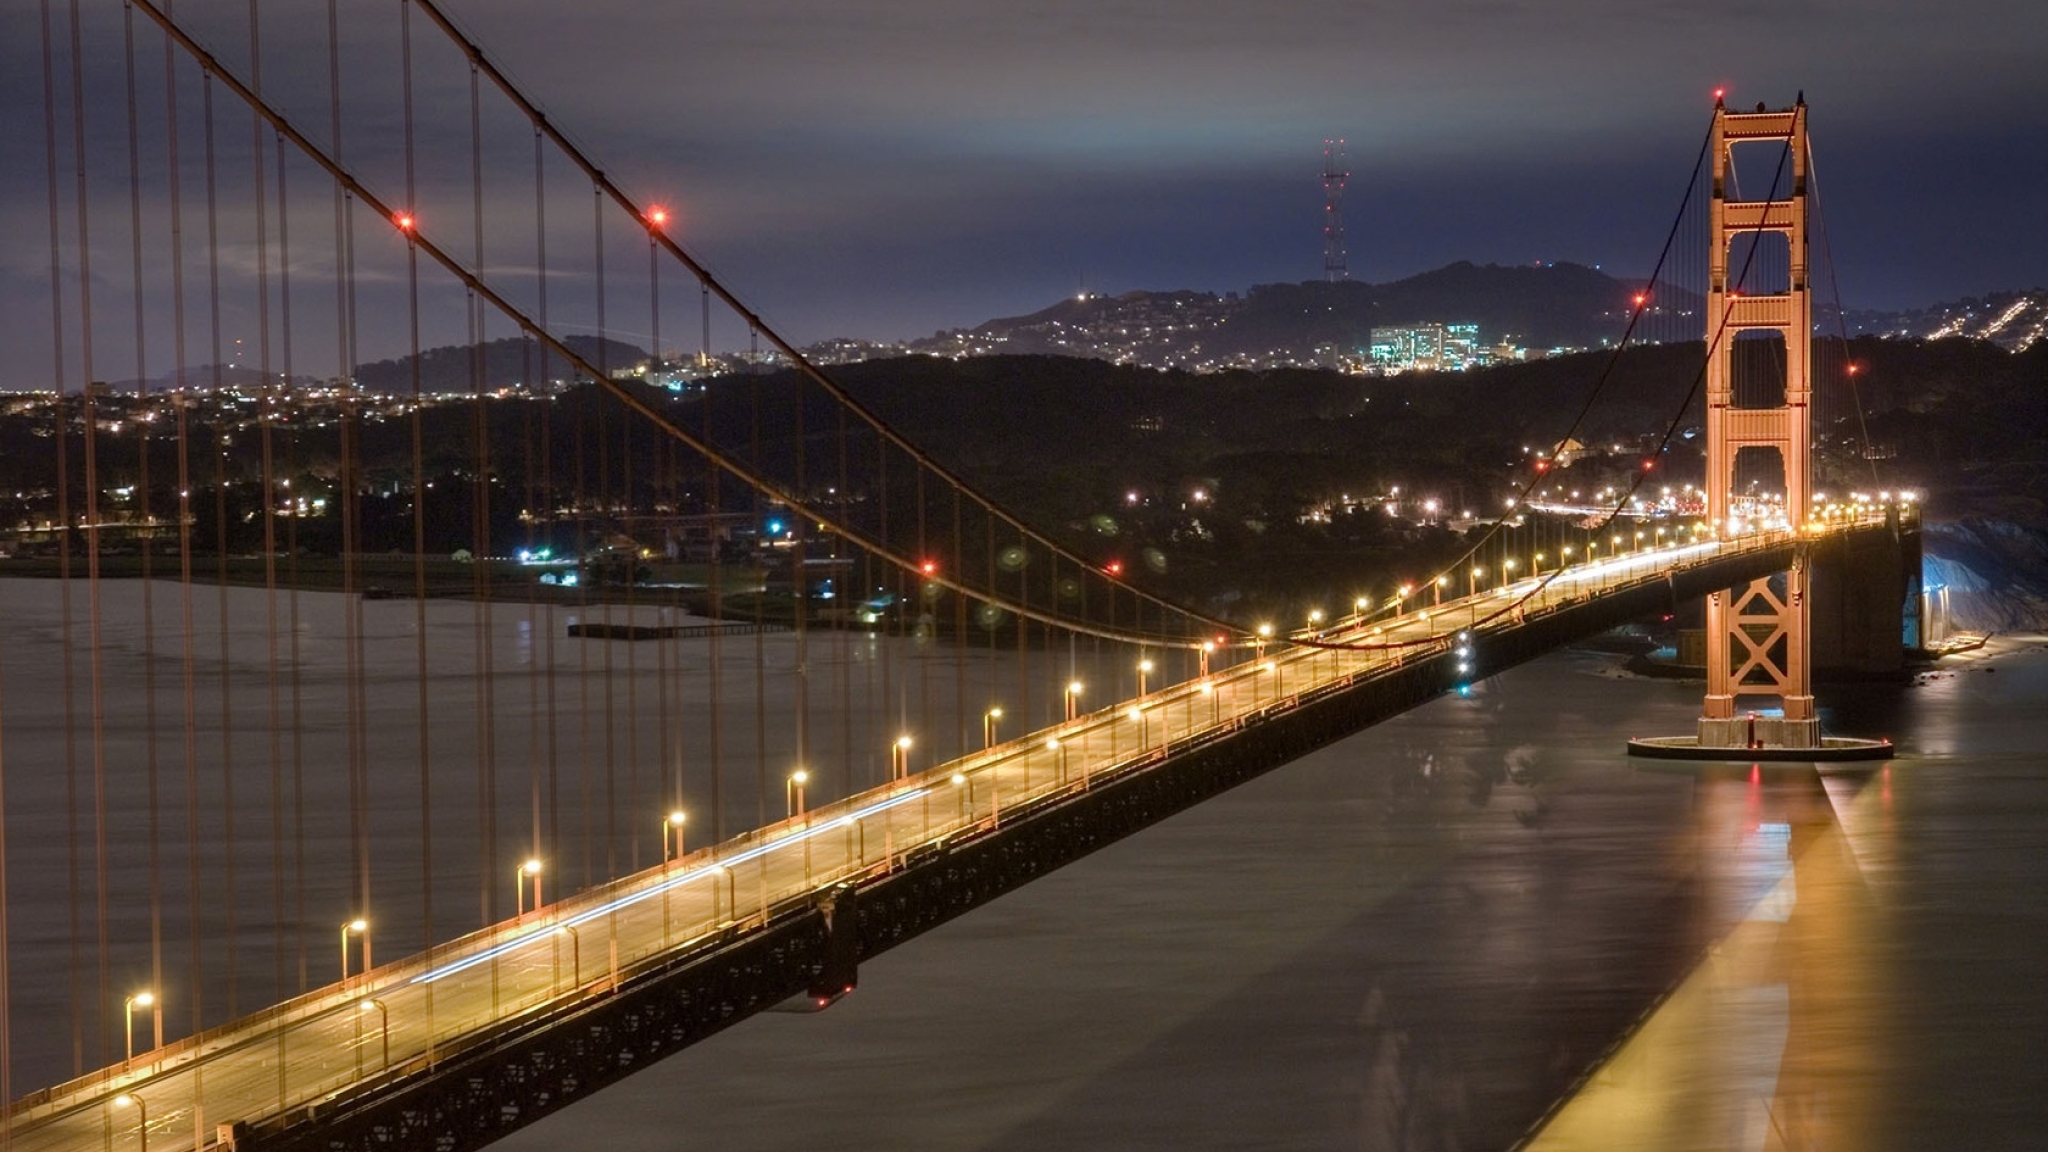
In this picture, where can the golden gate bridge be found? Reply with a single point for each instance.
(365, 843)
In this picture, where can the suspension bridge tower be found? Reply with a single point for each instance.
(1758, 635)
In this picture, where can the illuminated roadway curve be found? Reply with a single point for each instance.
(402, 1017)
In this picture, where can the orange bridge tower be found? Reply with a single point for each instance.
(1757, 635)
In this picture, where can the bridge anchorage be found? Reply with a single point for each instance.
(1759, 634)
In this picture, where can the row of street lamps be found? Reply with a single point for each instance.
(529, 873)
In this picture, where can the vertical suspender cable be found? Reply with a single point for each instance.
(419, 510)
(195, 974)
(267, 390)
(220, 562)
(480, 512)
(147, 529)
(295, 513)
(64, 540)
(81, 208)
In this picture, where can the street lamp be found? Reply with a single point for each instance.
(1208, 648)
(1507, 571)
(368, 1004)
(1144, 669)
(576, 942)
(126, 1099)
(899, 758)
(793, 791)
(988, 727)
(531, 869)
(1138, 714)
(1072, 693)
(143, 999)
(355, 927)
(1472, 586)
(1440, 582)
(672, 827)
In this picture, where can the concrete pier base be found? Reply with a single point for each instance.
(1822, 749)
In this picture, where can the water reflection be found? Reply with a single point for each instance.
(1772, 1041)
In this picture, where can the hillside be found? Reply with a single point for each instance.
(1276, 325)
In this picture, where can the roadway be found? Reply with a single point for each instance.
(406, 1015)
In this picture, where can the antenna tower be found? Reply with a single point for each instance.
(1334, 176)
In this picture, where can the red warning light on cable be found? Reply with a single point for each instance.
(929, 568)
(1649, 464)
(1642, 298)
(404, 221)
(1114, 567)
(657, 216)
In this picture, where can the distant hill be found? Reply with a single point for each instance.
(1538, 306)
(2014, 321)
(507, 362)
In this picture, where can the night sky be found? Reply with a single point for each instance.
(885, 169)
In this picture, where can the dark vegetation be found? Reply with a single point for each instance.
(1240, 479)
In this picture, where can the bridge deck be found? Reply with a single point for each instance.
(416, 1014)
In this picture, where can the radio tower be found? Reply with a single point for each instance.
(1334, 175)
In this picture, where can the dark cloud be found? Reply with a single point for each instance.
(886, 168)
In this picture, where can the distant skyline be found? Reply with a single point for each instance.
(884, 171)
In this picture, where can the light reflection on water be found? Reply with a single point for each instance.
(1426, 936)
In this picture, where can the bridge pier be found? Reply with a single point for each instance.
(1864, 602)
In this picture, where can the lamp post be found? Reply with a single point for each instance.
(899, 758)
(355, 927)
(143, 999)
(576, 945)
(1138, 714)
(1072, 694)
(1144, 669)
(532, 869)
(1507, 571)
(1052, 744)
(127, 1099)
(672, 828)
(1440, 582)
(793, 791)
(369, 1003)
(966, 787)
(1208, 648)
(988, 727)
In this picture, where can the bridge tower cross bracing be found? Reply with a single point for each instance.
(1758, 635)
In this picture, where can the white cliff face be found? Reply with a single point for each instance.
(1996, 572)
